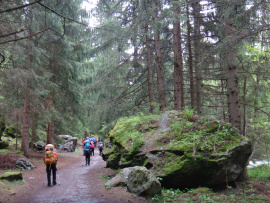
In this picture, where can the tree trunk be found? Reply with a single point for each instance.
(33, 133)
(50, 133)
(222, 101)
(150, 71)
(26, 112)
(190, 65)
(177, 59)
(196, 15)
(26, 122)
(232, 84)
(244, 108)
(159, 66)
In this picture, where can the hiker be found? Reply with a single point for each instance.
(50, 159)
(100, 147)
(87, 151)
(92, 146)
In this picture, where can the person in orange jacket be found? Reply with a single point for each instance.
(50, 159)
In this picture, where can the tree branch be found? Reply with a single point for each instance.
(13, 33)
(14, 40)
(3, 58)
(60, 14)
(19, 7)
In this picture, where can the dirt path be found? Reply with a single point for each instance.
(76, 183)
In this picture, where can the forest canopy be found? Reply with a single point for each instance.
(59, 74)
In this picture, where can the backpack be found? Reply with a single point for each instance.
(50, 156)
(87, 146)
(101, 146)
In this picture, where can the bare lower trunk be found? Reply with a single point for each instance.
(26, 122)
(26, 107)
(50, 133)
(177, 79)
(244, 108)
(150, 71)
(196, 15)
(232, 90)
(190, 65)
(33, 133)
(159, 66)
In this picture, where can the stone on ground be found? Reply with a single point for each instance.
(11, 176)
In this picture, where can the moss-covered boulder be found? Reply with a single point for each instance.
(138, 180)
(183, 150)
(4, 145)
(10, 131)
(11, 176)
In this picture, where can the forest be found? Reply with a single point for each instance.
(74, 69)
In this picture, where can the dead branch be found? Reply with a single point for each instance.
(61, 15)
(19, 7)
(13, 33)
(14, 40)
(3, 58)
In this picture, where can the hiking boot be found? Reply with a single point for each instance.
(54, 183)
(49, 184)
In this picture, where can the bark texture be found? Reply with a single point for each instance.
(159, 65)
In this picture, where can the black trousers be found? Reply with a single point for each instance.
(87, 157)
(49, 168)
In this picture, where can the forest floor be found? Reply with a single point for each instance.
(77, 182)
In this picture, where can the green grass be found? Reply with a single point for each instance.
(261, 172)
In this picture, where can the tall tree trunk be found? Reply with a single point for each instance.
(26, 106)
(159, 66)
(33, 132)
(244, 108)
(150, 71)
(232, 82)
(190, 65)
(17, 118)
(222, 100)
(198, 75)
(50, 133)
(177, 59)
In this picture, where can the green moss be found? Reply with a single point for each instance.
(173, 162)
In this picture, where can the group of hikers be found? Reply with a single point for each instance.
(89, 148)
(50, 157)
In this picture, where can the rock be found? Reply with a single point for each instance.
(184, 151)
(11, 176)
(10, 131)
(40, 145)
(142, 182)
(23, 163)
(138, 180)
(4, 145)
(68, 143)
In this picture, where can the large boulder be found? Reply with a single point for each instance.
(183, 150)
(138, 180)
(24, 164)
(11, 176)
(40, 146)
(68, 143)
(4, 145)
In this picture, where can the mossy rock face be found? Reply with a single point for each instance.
(11, 176)
(4, 145)
(185, 151)
(2, 127)
(10, 132)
